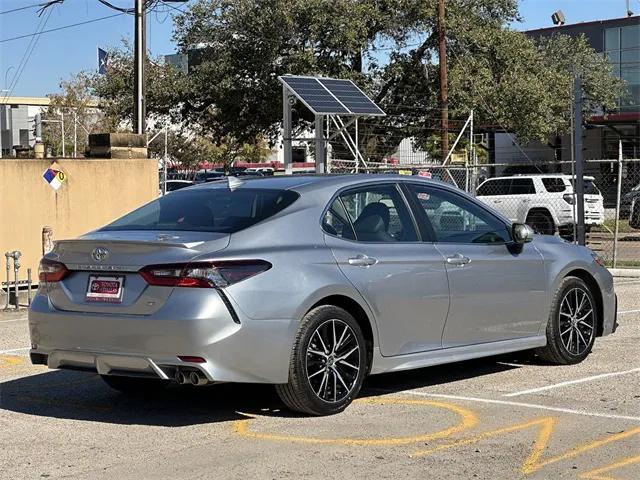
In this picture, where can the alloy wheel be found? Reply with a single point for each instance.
(577, 321)
(333, 360)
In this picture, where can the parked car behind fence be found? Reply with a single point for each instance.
(546, 202)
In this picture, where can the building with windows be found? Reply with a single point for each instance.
(619, 40)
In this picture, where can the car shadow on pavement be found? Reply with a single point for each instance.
(397, 382)
(84, 396)
(77, 395)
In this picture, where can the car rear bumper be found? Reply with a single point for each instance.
(201, 325)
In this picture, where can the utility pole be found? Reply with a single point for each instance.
(444, 94)
(139, 61)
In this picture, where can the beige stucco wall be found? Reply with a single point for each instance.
(96, 192)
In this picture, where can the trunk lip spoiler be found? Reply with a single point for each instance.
(187, 245)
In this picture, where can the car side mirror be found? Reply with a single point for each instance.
(521, 233)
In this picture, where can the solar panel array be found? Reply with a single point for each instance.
(328, 96)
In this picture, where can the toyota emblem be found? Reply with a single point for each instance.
(100, 254)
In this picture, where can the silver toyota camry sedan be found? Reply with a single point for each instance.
(311, 283)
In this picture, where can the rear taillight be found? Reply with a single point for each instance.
(51, 271)
(568, 197)
(203, 274)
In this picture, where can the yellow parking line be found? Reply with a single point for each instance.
(10, 360)
(546, 425)
(597, 473)
(468, 419)
(529, 468)
(533, 462)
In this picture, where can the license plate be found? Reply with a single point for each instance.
(103, 288)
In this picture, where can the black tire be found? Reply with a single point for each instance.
(541, 222)
(568, 347)
(135, 386)
(302, 393)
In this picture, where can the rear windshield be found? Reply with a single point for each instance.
(207, 210)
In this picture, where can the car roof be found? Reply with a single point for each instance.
(311, 182)
(539, 175)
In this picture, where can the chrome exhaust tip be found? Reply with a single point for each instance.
(197, 378)
(181, 378)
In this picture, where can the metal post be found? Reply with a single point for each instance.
(139, 53)
(470, 156)
(579, 181)
(574, 213)
(286, 131)
(47, 240)
(75, 133)
(62, 129)
(164, 162)
(329, 149)
(16, 267)
(618, 196)
(319, 150)
(7, 256)
(28, 287)
(357, 145)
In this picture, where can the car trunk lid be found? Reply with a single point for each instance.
(119, 255)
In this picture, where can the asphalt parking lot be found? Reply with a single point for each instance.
(504, 417)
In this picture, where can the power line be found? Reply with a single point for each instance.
(61, 28)
(21, 8)
(27, 53)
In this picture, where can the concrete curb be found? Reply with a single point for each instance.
(625, 272)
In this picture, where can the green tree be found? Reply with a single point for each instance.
(73, 104)
(114, 90)
(389, 47)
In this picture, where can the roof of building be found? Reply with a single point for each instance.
(36, 101)
(632, 20)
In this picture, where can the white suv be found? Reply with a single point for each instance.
(545, 202)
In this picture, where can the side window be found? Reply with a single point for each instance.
(522, 186)
(554, 185)
(336, 221)
(379, 214)
(454, 219)
(494, 187)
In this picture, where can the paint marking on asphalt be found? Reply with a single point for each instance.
(571, 382)
(524, 405)
(625, 312)
(535, 461)
(13, 350)
(14, 320)
(467, 420)
(597, 474)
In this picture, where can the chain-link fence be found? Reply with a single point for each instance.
(545, 197)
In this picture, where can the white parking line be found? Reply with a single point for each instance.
(14, 320)
(524, 405)
(624, 312)
(572, 382)
(2, 352)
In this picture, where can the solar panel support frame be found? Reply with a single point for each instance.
(289, 97)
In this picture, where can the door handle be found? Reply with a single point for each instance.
(362, 261)
(458, 259)
(497, 201)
